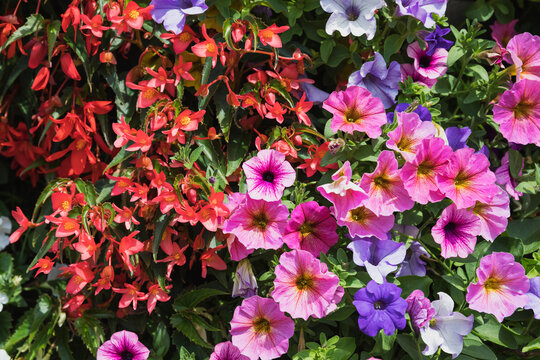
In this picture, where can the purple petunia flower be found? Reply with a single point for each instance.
(422, 9)
(419, 309)
(172, 13)
(123, 345)
(457, 137)
(380, 307)
(313, 93)
(413, 265)
(380, 257)
(436, 40)
(267, 175)
(382, 82)
(420, 110)
(534, 296)
(352, 16)
(227, 351)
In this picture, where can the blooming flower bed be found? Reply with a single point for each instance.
(235, 180)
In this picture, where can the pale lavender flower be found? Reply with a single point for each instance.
(534, 296)
(355, 17)
(313, 93)
(446, 328)
(4, 355)
(422, 9)
(123, 345)
(381, 81)
(245, 283)
(379, 257)
(4, 299)
(413, 264)
(172, 13)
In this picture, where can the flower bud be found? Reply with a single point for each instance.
(245, 283)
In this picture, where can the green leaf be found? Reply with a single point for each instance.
(188, 329)
(237, 149)
(407, 343)
(410, 283)
(162, 340)
(91, 332)
(455, 281)
(341, 314)
(527, 230)
(122, 155)
(62, 344)
(383, 343)
(6, 263)
(478, 71)
(53, 29)
(480, 11)
(392, 45)
(515, 161)
(194, 297)
(533, 345)
(90, 194)
(326, 49)
(454, 55)
(41, 312)
(79, 48)
(344, 348)
(33, 23)
(186, 355)
(477, 349)
(494, 332)
(21, 333)
(43, 250)
(507, 244)
(5, 326)
(159, 229)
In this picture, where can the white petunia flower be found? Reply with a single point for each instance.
(355, 17)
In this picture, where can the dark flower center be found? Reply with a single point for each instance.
(352, 116)
(450, 227)
(261, 325)
(523, 110)
(304, 282)
(126, 355)
(352, 13)
(268, 176)
(424, 169)
(492, 284)
(379, 305)
(306, 229)
(359, 214)
(461, 179)
(425, 61)
(381, 181)
(260, 221)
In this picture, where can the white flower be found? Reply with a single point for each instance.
(5, 231)
(446, 329)
(4, 355)
(3, 300)
(352, 16)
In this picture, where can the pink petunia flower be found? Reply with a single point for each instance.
(304, 287)
(502, 33)
(518, 113)
(260, 330)
(431, 67)
(467, 179)
(227, 351)
(363, 222)
(356, 109)
(342, 192)
(258, 224)
(501, 288)
(456, 232)
(523, 50)
(406, 137)
(384, 187)
(123, 345)
(493, 216)
(503, 177)
(311, 228)
(408, 70)
(420, 175)
(267, 175)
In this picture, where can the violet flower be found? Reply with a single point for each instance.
(413, 265)
(420, 110)
(534, 297)
(123, 345)
(172, 13)
(380, 257)
(419, 309)
(313, 93)
(380, 307)
(352, 16)
(457, 137)
(422, 9)
(381, 81)
(436, 40)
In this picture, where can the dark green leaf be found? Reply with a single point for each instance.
(410, 283)
(194, 297)
(91, 332)
(188, 329)
(122, 155)
(477, 349)
(159, 229)
(527, 230)
(392, 45)
(494, 332)
(237, 148)
(33, 23)
(326, 49)
(162, 340)
(43, 250)
(53, 29)
(515, 161)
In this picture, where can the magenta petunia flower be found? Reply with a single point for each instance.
(311, 228)
(503, 177)
(123, 345)
(467, 179)
(385, 187)
(260, 330)
(433, 66)
(502, 33)
(408, 70)
(420, 175)
(267, 175)
(304, 287)
(419, 309)
(518, 113)
(356, 109)
(456, 232)
(408, 135)
(227, 351)
(342, 192)
(501, 288)
(258, 224)
(363, 222)
(523, 50)
(493, 216)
